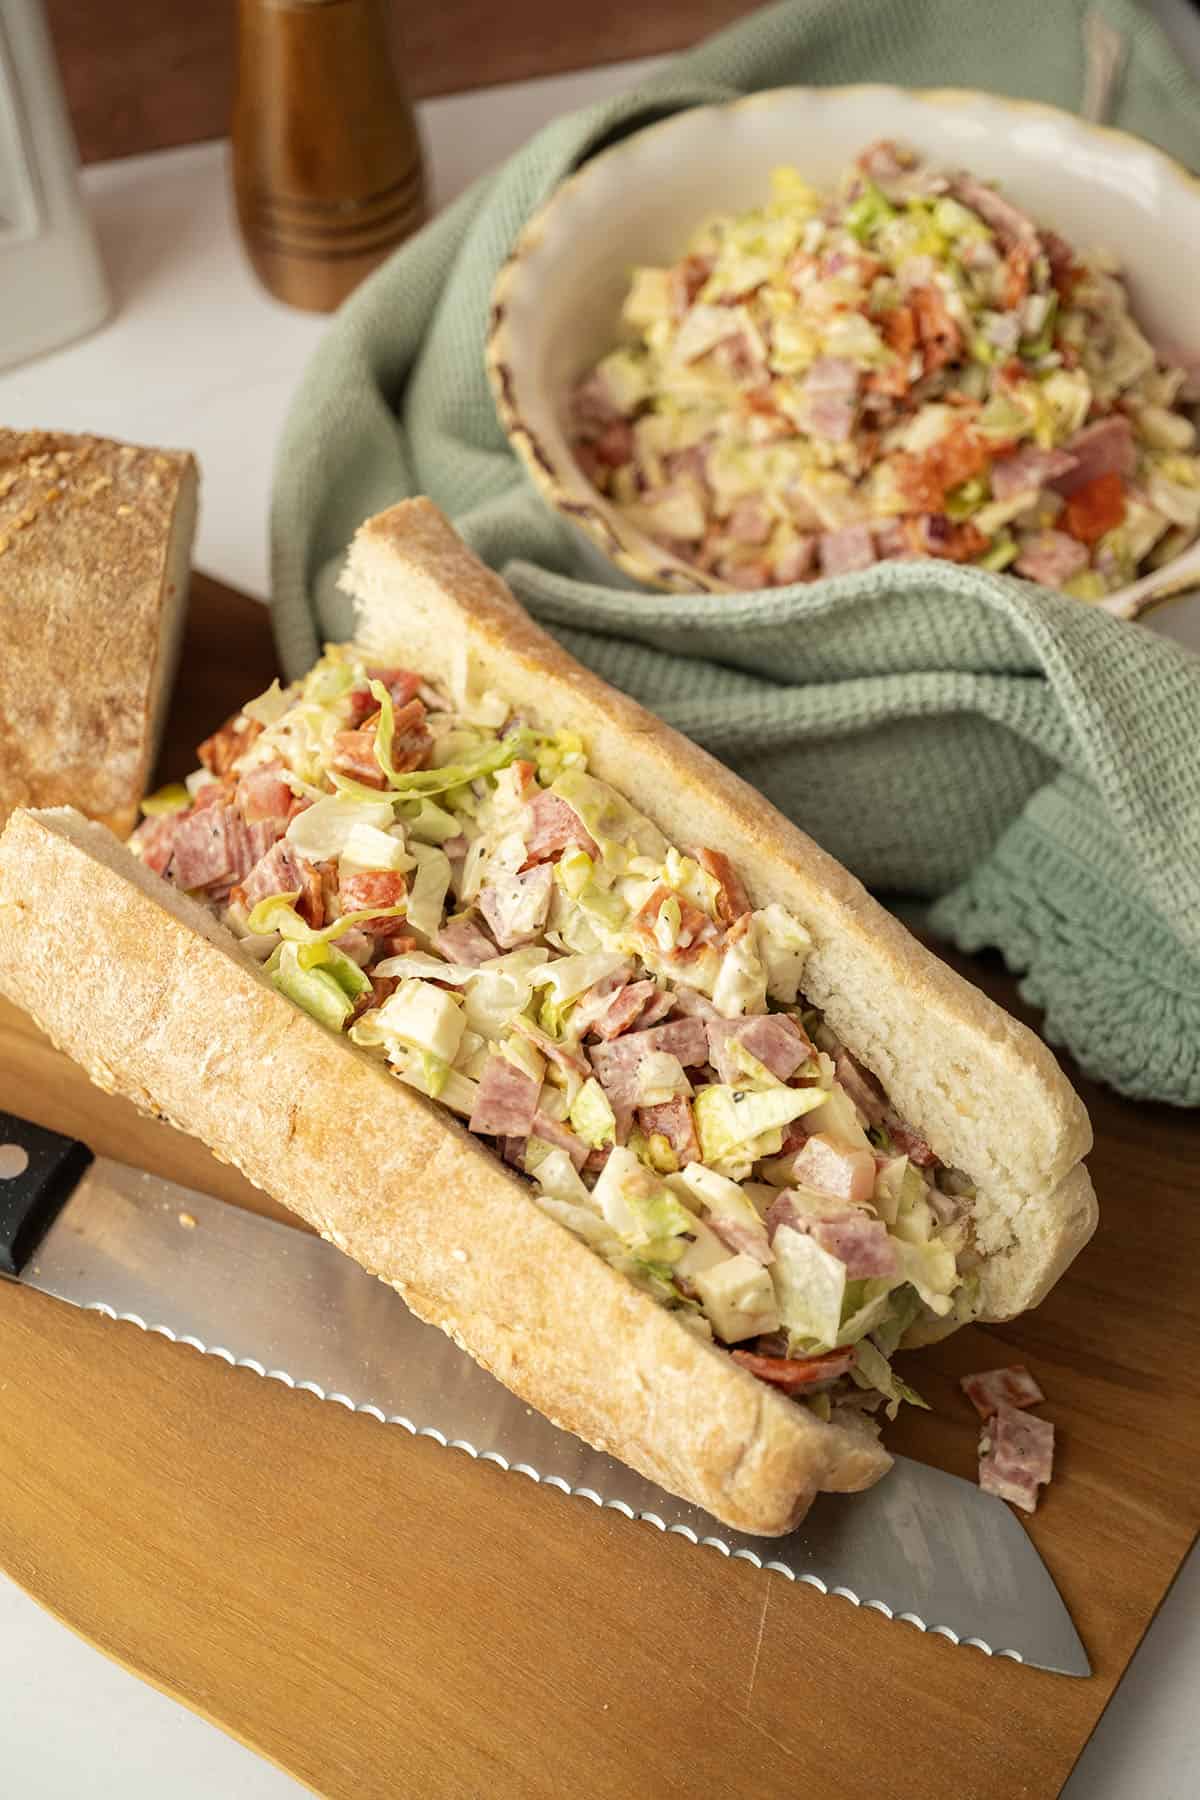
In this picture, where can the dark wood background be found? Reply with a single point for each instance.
(148, 74)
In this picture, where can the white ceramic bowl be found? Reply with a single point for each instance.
(557, 299)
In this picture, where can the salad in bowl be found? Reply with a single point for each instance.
(904, 365)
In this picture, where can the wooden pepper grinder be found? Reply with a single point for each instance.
(327, 165)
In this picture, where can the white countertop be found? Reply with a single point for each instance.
(196, 355)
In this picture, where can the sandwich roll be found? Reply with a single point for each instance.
(553, 1024)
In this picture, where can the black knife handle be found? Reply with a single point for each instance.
(39, 1171)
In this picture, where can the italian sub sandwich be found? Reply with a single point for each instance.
(555, 1025)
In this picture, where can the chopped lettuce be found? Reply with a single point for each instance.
(730, 1119)
(170, 799)
(430, 885)
(323, 830)
(317, 990)
(873, 1370)
(277, 913)
(592, 1116)
(809, 1285)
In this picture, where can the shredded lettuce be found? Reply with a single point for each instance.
(728, 1119)
(323, 830)
(810, 1285)
(427, 894)
(277, 913)
(170, 799)
(592, 1116)
(317, 990)
(872, 1370)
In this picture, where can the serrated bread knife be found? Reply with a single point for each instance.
(921, 1546)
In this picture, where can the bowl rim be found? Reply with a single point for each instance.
(566, 488)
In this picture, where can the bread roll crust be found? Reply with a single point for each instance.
(179, 1020)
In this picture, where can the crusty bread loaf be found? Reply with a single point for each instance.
(986, 1093)
(180, 1020)
(176, 1018)
(95, 542)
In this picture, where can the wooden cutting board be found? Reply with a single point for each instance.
(384, 1617)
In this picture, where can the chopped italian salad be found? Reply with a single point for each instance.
(454, 891)
(909, 366)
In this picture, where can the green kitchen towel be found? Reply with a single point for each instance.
(1026, 763)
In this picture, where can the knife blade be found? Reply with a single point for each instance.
(922, 1546)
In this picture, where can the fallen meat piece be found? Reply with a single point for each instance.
(993, 1388)
(1016, 1456)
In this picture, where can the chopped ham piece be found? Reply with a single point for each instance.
(263, 796)
(1105, 448)
(831, 375)
(219, 752)
(515, 906)
(214, 793)
(797, 1374)
(992, 1388)
(1051, 558)
(673, 1120)
(750, 522)
(784, 1211)
(566, 1060)
(280, 871)
(859, 1241)
(559, 1137)
(554, 827)
(506, 1103)
(374, 888)
(861, 1086)
(616, 1063)
(845, 551)
(740, 1236)
(774, 1039)
(690, 1003)
(732, 900)
(204, 851)
(462, 941)
(595, 1001)
(657, 1008)
(825, 1165)
(1008, 222)
(624, 1009)
(318, 894)
(1028, 469)
(796, 561)
(1016, 1456)
(155, 839)
(831, 416)
(912, 1144)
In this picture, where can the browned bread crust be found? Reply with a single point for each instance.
(95, 539)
